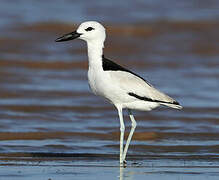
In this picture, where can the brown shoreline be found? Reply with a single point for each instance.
(5, 136)
(138, 136)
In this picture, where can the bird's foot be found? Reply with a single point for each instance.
(123, 163)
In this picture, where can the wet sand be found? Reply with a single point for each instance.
(53, 127)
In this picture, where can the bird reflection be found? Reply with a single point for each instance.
(121, 174)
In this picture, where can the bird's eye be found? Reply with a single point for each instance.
(89, 29)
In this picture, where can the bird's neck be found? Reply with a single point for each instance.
(95, 52)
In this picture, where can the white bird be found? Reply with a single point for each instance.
(120, 86)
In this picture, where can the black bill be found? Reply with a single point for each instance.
(68, 37)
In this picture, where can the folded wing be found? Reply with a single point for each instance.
(138, 88)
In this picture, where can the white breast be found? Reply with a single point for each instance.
(94, 81)
(102, 84)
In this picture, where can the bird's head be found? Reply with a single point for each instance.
(88, 31)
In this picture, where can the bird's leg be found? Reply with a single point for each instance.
(134, 124)
(122, 130)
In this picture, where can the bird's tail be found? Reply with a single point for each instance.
(175, 106)
(163, 99)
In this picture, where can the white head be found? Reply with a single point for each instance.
(90, 31)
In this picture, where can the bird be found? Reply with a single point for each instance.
(120, 86)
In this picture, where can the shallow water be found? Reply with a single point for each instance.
(51, 123)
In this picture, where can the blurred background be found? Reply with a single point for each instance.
(45, 102)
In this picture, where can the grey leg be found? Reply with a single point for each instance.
(134, 124)
(122, 130)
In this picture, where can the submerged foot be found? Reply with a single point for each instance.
(123, 163)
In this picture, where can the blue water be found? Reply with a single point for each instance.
(115, 11)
